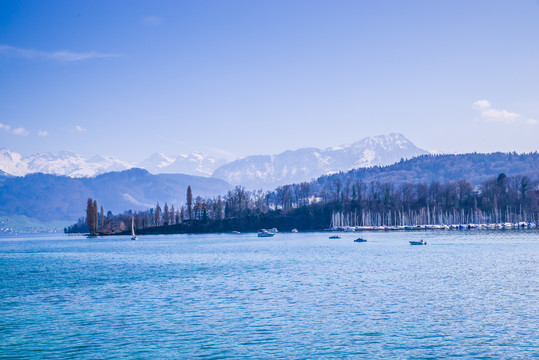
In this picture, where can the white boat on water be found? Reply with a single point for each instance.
(265, 233)
(133, 236)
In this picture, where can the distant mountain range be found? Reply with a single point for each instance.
(269, 171)
(257, 171)
(48, 197)
(70, 164)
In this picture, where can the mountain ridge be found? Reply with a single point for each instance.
(68, 163)
(304, 164)
(254, 171)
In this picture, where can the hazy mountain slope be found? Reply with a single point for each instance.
(49, 197)
(23, 224)
(268, 171)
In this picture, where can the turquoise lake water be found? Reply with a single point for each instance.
(467, 294)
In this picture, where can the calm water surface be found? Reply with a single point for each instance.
(468, 294)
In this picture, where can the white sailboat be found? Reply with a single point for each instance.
(133, 236)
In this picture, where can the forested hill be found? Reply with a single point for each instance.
(473, 167)
(50, 197)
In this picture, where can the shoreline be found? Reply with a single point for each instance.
(173, 229)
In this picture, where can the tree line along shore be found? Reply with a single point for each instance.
(353, 204)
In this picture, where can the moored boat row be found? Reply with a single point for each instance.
(502, 226)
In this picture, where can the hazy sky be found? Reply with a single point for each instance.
(129, 78)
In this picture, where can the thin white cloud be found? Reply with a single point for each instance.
(42, 133)
(503, 116)
(20, 131)
(481, 104)
(61, 55)
(490, 115)
(152, 20)
(79, 128)
(16, 131)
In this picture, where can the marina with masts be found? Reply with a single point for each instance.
(426, 220)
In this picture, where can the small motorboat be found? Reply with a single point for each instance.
(265, 233)
(360, 240)
(334, 237)
(418, 242)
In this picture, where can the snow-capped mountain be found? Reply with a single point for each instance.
(156, 162)
(73, 165)
(269, 171)
(11, 163)
(258, 171)
(192, 164)
(67, 163)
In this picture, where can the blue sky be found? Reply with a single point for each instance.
(234, 78)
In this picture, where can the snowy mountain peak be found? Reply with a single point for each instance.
(11, 163)
(308, 163)
(192, 164)
(156, 162)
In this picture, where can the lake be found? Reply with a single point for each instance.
(467, 294)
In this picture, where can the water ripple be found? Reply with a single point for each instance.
(294, 296)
